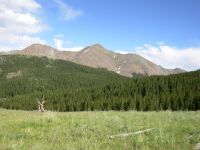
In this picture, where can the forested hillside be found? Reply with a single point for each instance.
(67, 86)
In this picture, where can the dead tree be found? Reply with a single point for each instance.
(41, 106)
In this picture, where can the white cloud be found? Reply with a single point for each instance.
(67, 12)
(73, 49)
(59, 45)
(171, 57)
(123, 52)
(16, 42)
(20, 5)
(19, 24)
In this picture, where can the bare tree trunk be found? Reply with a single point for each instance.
(41, 106)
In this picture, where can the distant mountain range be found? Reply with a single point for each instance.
(97, 56)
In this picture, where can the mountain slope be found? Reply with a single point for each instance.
(14, 67)
(99, 57)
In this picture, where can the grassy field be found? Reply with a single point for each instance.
(25, 130)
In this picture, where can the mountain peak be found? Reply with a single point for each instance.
(39, 50)
(97, 46)
(38, 45)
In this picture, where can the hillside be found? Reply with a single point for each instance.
(67, 86)
(55, 74)
(97, 56)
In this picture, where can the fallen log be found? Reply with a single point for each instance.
(131, 133)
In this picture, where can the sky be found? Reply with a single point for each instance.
(164, 31)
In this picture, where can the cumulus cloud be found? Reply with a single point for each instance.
(19, 24)
(67, 12)
(13, 41)
(20, 5)
(59, 45)
(171, 57)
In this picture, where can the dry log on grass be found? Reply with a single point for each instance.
(131, 133)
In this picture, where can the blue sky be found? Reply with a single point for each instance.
(125, 24)
(159, 30)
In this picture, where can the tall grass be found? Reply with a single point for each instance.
(91, 130)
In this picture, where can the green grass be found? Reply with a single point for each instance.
(26, 130)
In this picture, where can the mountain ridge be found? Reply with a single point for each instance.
(97, 56)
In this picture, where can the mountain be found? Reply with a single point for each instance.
(40, 50)
(97, 56)
(67, 86)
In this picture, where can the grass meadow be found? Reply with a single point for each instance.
(32, 130)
